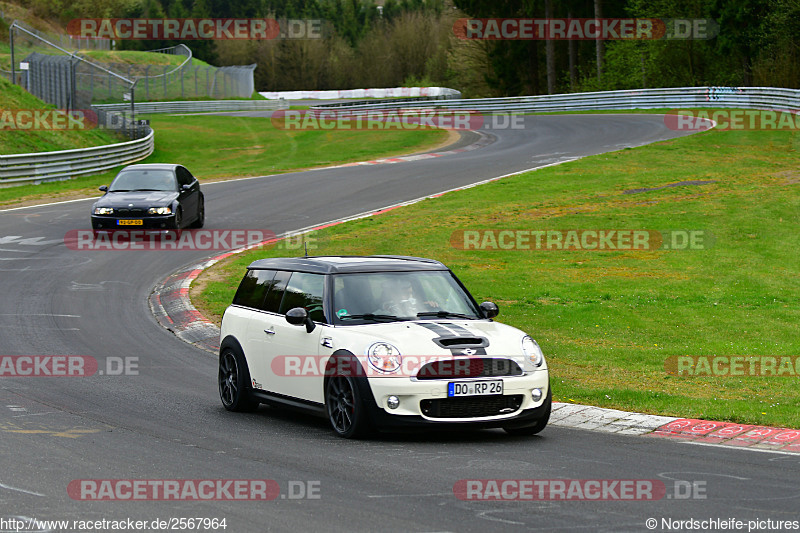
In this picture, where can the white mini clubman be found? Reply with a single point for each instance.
(378, 343)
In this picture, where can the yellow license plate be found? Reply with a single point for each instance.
(131, 222)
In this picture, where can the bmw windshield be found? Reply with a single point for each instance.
(144, 180)
(388, 296)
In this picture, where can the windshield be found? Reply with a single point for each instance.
(389, 296)
(144, 180)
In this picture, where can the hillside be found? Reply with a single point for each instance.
(14, 141)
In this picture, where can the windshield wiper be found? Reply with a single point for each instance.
(445, 314)
(150, 190)
(372, 316)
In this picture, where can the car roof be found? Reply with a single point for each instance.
(334, 264)
(152, 166)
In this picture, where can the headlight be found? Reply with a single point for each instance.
(160, 211)
(532, 351)
(103, 210)
(384, 357)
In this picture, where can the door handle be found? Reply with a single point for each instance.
(269, 332)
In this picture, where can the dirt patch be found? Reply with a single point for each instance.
(679, 184)
(791, 176)
(591, 275)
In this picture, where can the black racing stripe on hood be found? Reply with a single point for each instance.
(435, 328)
(458, 330)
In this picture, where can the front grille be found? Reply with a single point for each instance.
(472, 367)
(472, 407)
(130, 212)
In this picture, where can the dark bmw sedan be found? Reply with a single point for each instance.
(152, 196)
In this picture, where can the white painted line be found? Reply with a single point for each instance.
(39, 314)
(749, 448)
(51, 203)
(409, 495)
(35, 414)
(7, 487)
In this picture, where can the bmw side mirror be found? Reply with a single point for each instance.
(104, 188)
(298, 317)
(185, 187)
(490, 309)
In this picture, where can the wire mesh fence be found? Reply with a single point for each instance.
(58, 76)
(69, 79)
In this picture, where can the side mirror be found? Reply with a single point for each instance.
(490, 309)
(185, 187)
(298, 317)
(104, 188)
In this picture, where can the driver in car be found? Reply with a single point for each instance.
(400, 299)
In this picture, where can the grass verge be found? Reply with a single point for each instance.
(609, 320)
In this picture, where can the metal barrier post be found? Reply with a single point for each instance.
(13, 63)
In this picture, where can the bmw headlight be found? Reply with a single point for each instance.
(532, 351)
(160, 211)
(103, 210)
(384, 357)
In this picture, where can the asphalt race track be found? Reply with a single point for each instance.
(167, 422)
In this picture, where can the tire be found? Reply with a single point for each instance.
(345, 408)
(539, 425)
(234, 382)
(201, 214)
(176, 224)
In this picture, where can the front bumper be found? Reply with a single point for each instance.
(416, 398)
(110, 223)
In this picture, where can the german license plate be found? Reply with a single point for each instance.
(130, 222)
(474, 388)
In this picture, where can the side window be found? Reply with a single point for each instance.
(305, 290)
(272, 303)
(253, 288)
(184, 176)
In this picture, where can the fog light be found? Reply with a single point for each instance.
(536, 394)
(393, 402)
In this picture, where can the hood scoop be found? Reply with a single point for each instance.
(462, 342)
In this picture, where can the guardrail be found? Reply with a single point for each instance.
(386, 92)
(20, 169)
(395, 101)
(177, 50)
(670, 98)
(197, 106)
